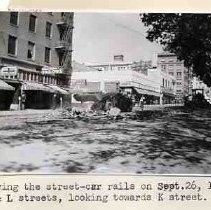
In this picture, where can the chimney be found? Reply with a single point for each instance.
(118, 58)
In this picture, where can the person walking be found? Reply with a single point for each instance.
(141, 103)
(23, 101)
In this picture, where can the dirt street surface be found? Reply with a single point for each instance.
(49, 141)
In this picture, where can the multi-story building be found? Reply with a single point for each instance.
(154, 84)
(35, 50)
(119, 64)
(169, 63)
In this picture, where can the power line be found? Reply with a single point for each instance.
(125, 27)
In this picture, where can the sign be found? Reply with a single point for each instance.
(9, 71)
(75, 82)
(52, 70)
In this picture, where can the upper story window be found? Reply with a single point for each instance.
(47, 54)
(14, 18)
(163, 66)
(171, 66)
(31, 51)
(12, 45)
(48, 29)
(179, 74)
(32, 23)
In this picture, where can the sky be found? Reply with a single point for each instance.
(3, 4)
(97, 37)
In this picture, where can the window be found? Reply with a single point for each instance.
(31, 51)
(171, 73)
(27, 76)
(14, 18)
(32, 23)
(171, 66)
(60, 59)
(48, 29)
(179, 83)
(12, 42)
(47, 54)
(179, 74)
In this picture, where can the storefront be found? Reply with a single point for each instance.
(6, 95)
(41, 96)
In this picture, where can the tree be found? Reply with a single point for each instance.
(188, 36)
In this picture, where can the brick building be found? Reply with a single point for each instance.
(36, 48)
(170, 64)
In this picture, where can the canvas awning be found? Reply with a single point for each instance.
(36, 86)
(5, 86)
(58, 89)
(147, 92)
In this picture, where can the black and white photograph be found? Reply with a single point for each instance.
(105, 92)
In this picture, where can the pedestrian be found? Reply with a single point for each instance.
(54, 101)
(141, 102)
(61, 102)
(23, 101)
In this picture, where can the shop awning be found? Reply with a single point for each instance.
(36, 86)
(147, 92)
(5, 86)
(58, 89)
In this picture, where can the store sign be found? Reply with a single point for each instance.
(9, 71)
(52, 70)
(78, 82)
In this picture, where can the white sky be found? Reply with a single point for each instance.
(3, 4)
(99, 36)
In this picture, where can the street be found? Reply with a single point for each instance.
(49, 141)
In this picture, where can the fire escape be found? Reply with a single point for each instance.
(64, 47)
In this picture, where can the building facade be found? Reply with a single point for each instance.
(169, 63)
(35, 49)
(154, 84)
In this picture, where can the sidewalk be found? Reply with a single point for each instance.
(29, 112)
